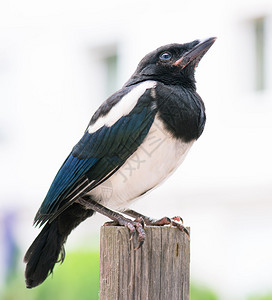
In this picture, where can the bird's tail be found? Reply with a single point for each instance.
(48, 247)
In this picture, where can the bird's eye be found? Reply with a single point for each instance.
(165, 56)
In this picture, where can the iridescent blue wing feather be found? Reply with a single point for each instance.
(96, 157)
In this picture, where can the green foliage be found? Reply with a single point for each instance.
(202, 293)
(76, 278)
(263, 297)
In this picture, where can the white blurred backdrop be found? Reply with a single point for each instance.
(60, 59)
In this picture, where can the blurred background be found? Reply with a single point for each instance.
(60, 59)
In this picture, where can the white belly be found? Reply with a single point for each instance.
(158, 156)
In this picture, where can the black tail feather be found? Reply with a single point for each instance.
(48, 248)
(43, 254)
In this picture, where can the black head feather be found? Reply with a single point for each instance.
(172, 64)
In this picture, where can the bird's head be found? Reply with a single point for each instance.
(172, 64)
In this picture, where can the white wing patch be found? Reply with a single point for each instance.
(123, 107)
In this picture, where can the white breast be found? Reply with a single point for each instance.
(158, 156)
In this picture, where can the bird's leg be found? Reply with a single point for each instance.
(118, 219)
(148, 220)
(175, 221)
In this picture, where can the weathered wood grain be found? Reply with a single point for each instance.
(159, 270)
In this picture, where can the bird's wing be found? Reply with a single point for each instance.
(97, 156)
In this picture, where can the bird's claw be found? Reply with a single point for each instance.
(178, 219)
(139, 225)
(161, 222)
(178, 222)
(131, 235)
(111, 223)
(133, 226)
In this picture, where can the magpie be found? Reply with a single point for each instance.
(134, 141)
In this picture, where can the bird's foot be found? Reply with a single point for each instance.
(175, 221)
(178, 222)
(118, 219)
(133, 226)
(147, 220)
(160, 222)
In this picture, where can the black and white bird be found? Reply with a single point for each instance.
(134, 141)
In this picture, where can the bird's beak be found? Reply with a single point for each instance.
(195, 54)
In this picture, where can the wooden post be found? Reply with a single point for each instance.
(159, 270)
